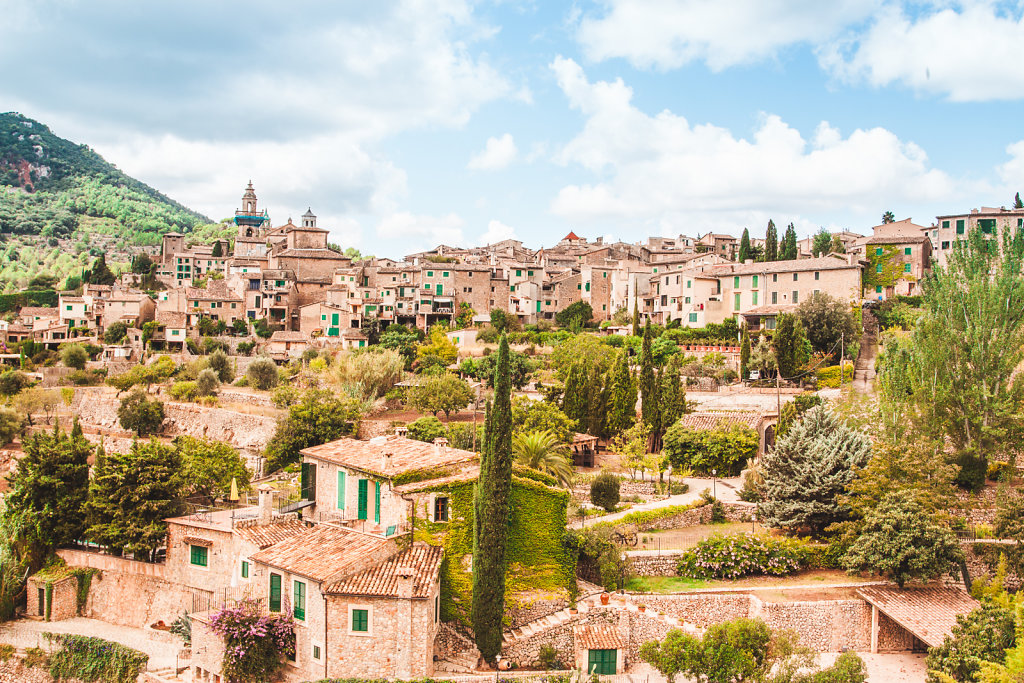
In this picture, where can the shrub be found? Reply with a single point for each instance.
(262, 374)
(285, 395)
(13, 381)
(115, 332)
(733, 557)
(723, 448)
(35, 656)
(183, 391)
(221, 364)
(87, 378)
(207, 383)
(547, 657)
(74, 356)
(829, 376)
(426, 429)
(604, 491)
(93, 659)
(140, 415)
(245, 348)
(6, 651)
(998, 470)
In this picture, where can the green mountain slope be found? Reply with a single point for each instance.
(61, 204)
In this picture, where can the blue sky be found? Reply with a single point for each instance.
(405, 124)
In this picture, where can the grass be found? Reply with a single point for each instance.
(663, 584)
(815, 577)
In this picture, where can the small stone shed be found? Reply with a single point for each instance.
(925, 615)
(53, 595)
(599, 649)
(584, 448)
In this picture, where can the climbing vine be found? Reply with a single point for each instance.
(891, 263)
(91, 659)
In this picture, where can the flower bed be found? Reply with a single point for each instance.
(733, 557)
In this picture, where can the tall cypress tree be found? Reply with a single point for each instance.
(491, 513)
(745, 245)
(51, 485)
(745, 355)
(649, 409)
(597, 403)
(788, 250)
(636, 317)
(218, 250)
(672, 398)
(771, 242)
(622, 407)
(574, 400)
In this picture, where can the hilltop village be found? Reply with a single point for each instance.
(261, 457)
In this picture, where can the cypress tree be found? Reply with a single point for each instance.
(649, 409)
(1017, 203)
(218, 250)
(790, 345)
(745, 355)
(771, 242)
(597, 399)
(491, 513)
(51, 485)
(622, 408)
(673, 393)
(636, 318)
(788, 250)
(745, 245)
(574, 400)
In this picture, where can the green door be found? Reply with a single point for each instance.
(275, 592)
(376, 502)
(364, 486)
(602, 662)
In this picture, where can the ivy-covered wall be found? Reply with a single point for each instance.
(538, 561)
(891, 262)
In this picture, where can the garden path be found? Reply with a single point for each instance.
(727, 491)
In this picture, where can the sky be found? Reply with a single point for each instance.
(411, 123)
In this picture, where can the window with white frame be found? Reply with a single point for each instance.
(360, 620)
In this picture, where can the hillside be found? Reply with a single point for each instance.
(61, 204)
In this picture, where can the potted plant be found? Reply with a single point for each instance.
(605, 598)
(642, 607)
(572, 608)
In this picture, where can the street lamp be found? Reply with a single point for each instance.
(714, 484)
(622, 573)
(497, 667)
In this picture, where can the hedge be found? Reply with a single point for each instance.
(643, 517)
(94, 659)
(829, 376)
(41, 297)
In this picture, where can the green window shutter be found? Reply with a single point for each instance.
(199, 556)
(907, 251)
(364, 494)
(736, 301)
(299, 597)
(430, 273)
(588, 286)
(736, 282)
(334, 319)
(906, 267)
(341, 490)
(878, 268)
(753, 298)
(444, 274)
(602, 662)
(878, 289)
(878, 251)
(361, 620)
(754, 281)
(693, 317)
(519, 273)
(945, 224)
(275, 592)
(529, 273)
(440, 288)
(960, 226)
(308, 481)
(376, 502)
(245, 569)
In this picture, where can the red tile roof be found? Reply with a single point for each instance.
(407, 455)
(711, 419)
(598, 637)
(321, 552)
(929, 613)
(382, 581)
(266, 535)
(571, 236)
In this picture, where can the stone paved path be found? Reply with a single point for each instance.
(160, 647)
(727, 491)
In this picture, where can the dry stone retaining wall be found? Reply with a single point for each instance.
(823, 626)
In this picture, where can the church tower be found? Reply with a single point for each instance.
(308, 219)
(249, 219)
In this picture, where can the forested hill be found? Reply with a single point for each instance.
(61, 202)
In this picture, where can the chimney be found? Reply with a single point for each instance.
(266, 504)
(385, 462)
(748, 261)
(401, 430)
(441, 442)
(404, 576)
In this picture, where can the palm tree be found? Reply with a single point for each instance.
(888, 217)
(542, 451)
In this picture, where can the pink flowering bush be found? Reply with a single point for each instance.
(255, 642)
(733, 557)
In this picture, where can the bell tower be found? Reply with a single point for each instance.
(308, 219)
(249, 219)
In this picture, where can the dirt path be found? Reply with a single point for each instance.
(726, 490)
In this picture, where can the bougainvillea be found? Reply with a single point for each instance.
(733, 557)
(255, 642)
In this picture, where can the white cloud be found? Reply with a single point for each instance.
(496, 232)
(968, 53)
(666, 35)
(664, 173)
(419, 232)
(497, 154)
(1012, 171)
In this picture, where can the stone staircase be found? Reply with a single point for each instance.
(465, 662)
(166, 675)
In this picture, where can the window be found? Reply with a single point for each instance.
(878, 289)
(945, 224)
(907, 251)
(437, 608)
(245, 569)
(603, 662)
(878, 251)
(689, 283)
(341, 490)
(987, 225)
(960, 226)
(199, 556)
(736, 301)
(753, 298)
(686, 300)
(775, 277)
(775, 297)
(736, 282)
(529, 273)
(316, 652)
(769, 323)
(878, 268)
(817, 275)
(753, 281)
(359, 620)
(519, 273)
(299, 598)
(441, 509)
(796, 297)
(693, 317)
(275, 592)
(376, 502)
(906, 267)
(430, 273)
(796, 276)
(364, 495)
(945, 245)
(444, 274)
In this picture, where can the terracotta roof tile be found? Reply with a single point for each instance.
(407, 455)
(287, 336)
(320, 552)
(929, 613)
(798, 265)
(598, 637)
(897, 239)
(382, 581)
(266, 535)
(41, 311)
(711, 419)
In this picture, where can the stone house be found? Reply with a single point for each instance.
(37, 317)
(216, 301)
(77, 311)
(172, 329)
(287, 345)
(131, 308)
(895, 265)
(953, 228)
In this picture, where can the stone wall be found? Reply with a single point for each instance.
(823, 626)
(450, 642)
(15, 671)
(524, 608)
(525, 651)
(664, 564)
(63, 598)
(700, 609)
(979, 568)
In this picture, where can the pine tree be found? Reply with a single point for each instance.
(100, 273)
(771, 242)
(132, 494)
(788, 249)
(574, 399)
(649, 409)
(491, 514)
(51, 485)
(622, 408)
(636, 318)
(745, 355)
(672, 398)
(808, 471)
(745, 246)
